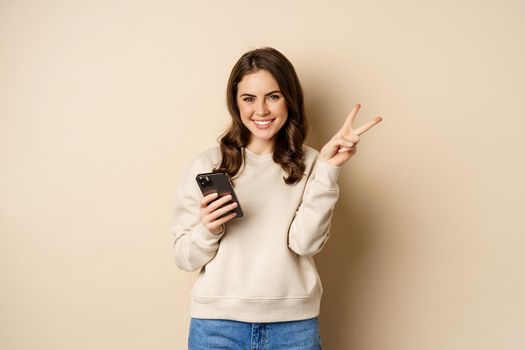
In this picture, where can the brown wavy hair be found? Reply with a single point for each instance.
(288, 150)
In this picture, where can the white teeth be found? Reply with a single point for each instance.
(262, 123)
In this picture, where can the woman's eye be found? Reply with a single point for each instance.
(248, 99)
(274, 97)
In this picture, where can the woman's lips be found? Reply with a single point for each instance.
(263, 124)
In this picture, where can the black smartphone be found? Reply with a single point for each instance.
(220, 183)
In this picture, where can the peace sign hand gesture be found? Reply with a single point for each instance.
(342, 145)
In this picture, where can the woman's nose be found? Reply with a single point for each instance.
(261, 109)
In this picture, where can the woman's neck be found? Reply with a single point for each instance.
(261, 148)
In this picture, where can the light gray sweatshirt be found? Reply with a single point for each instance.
(261, 269)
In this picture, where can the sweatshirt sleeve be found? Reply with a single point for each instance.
(310, 227)
(194, 245)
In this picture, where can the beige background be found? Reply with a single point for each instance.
(104, 103)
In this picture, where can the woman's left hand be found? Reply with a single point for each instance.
(342, 145)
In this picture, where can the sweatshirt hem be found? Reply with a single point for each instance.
(256, 310)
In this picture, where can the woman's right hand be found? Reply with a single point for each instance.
(212, 209)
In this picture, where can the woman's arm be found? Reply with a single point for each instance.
(310, 227)
(195, 245)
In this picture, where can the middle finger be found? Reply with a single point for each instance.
(367, 126)
(222, 210)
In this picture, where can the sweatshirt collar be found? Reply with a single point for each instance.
(260, 157)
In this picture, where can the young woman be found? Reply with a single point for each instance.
(258, 285)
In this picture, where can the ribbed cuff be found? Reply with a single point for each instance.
(204, 238)
(327, 173)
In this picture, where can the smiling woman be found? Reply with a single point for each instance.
(258, 285)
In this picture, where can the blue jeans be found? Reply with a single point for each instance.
(234, 335)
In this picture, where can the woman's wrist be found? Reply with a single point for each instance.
(218, 231)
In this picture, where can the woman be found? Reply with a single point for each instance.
(258, 285)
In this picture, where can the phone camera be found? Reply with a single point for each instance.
(204, 181)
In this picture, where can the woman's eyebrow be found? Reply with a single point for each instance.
(271, 92)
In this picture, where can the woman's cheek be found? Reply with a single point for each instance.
(245, 112)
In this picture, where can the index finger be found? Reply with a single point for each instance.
(350, 119)
(206, 199)
(365, 127)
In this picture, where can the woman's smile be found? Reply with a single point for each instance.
(263, 123)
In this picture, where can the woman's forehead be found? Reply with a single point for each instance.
(259, 82)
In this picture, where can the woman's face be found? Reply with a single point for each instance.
(262, 107)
